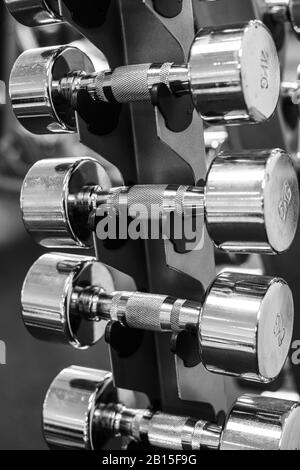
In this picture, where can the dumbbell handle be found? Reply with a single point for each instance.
(155, 199)
(157, 429)
(127, 84)
(136, 309)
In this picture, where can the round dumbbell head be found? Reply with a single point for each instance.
(252, 201)
(46, 299)
(69, 408)
(48, 213)
(246, 326)
(35, 12)
(235, 73)
(262, 423)
(33, 88)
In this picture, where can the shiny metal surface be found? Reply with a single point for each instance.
(249, 314)
(45, 199)
(33, 92)
(70, 405)
(47, 299)
(245, 323)
(80, 411)
(234, 74)
(252, 201)
(35, 12)
(262, 423)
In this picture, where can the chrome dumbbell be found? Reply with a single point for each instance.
(244, 323)
(81, 411)
(35, 12)
(250, 201)
(232, 75)
(284, 10)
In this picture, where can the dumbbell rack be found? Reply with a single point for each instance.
(162, 156)
(158, 156)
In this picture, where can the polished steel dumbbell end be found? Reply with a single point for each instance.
(70, 405)
(244, 325)
(47, 303)
(48, 188)
(252, 201)
(35, 100)
(259, 422)
(35, 12)
(291, 8)
(81, 411)
(235, 74)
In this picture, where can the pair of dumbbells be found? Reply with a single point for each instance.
(81, 411)
(232, 76)
(41, 12)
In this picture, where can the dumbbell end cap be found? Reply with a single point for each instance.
(34, 88)
(246, 326)
(274, 330)
(47, 211)
(46, 299)
(70, 405)
(252, 201)
(281, 201)
(252, 92)
(276, 421)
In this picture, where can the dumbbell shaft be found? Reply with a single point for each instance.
(136, 310)
(167, 198)
(131, 83)
(158, 429)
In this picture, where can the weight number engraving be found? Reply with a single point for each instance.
(279, 330)
(264, 66)
(285, 201)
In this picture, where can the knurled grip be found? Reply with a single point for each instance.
(146, 196)
(143, 311)
(151, 312)
(149, 197)
(127, 84)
